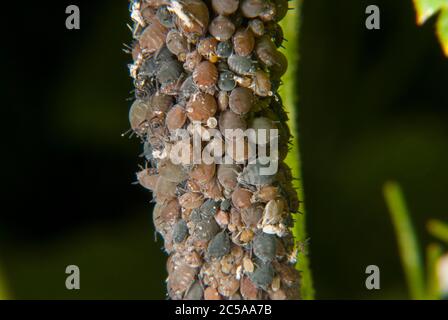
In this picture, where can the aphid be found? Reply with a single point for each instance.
(165, 190)
(248, 265)
(246, 236)
(253, 8)
(219, 246)
(241, 198)
(228, 286)
(225, 7)
(276, 33)
(265, 246)
(266, 51)
(251, 175)
(201, 106)
(147, 179)
(191, 200)
(177, 44)
(230, 120)
(241, 65)
(137, 117)
(207, 48)
(165, 17)
(175, 118)
(261, 84)
(222, 218)
(252, 216)
(226, 81)
(153, 37)
(187, 89)
(244, 42)
(287, 273)
(224, 49)
(225, 205)
(263, 133)
(241, 100)
(180, 231)
(227, 175)
(211, 293)
(222, 28)
(263, 275)
(248, 290)
(280, 66)
(180, 279)
(195, 292)
(212, 190)
(171, 172)
(206, 230)
(191, 17)
(205, 76)
(281, 8)
(257, 27)
(192, 59)
(265, 194)
(268, 13)
(208, 209)
(165, 215)
(169, 72)
(203, 173)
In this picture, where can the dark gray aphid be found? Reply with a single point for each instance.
(224, 49)
(225, 205)
(226, 81)
(263, 275)
(265, 246)
(209, 208)
(180, 231)
(219, 246)
(241, 65)
(206, 230)
(251, 175)
(169, 72)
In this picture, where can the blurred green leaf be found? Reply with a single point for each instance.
(407, 240)
(426, 9)
(438, 230)
(433, 254)
(3, 291)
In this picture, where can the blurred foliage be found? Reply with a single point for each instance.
(426, 9)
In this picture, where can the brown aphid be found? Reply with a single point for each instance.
(180, 280)
(165, 215)
(170, 171)
(248, 290)
(223, 100)
(281, 8)
(252, 216)
(280, 66)
(235, 224)
(165, 190)
(241, 100)
(266, 51)
(175, 118)
(203, 173)
(213, 190)
(207, 48)
(222, 218)
(230, 120)
(205, 76)
(269, 12)
(228, 286)
(160, 103)
(243, 42)
(177, 44)
(137, 117)
(201, 106)
(266, 194)
(228, 175)
(257, 27)
(253, 8)
(211, 293)
(287, 273)
(147, 179)
(241, 198)
(262, 85)
(191, 200)
(222, 28)
(192, 19)
(225, 7)
(192, 59)
(153, 37)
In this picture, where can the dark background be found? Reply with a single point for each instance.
(373, 107)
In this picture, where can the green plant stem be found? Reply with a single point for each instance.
(407, 240)
(290, 25)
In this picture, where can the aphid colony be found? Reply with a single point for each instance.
(225, 226)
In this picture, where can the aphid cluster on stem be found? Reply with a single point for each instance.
(215, 65)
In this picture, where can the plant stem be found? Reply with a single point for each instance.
(291, 25)
(433, 254)
(407, 240)
(438, 230)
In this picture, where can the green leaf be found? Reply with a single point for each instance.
(442, 30)
(407, 240)
(438, 230)
(427, 8)
(433, 254)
